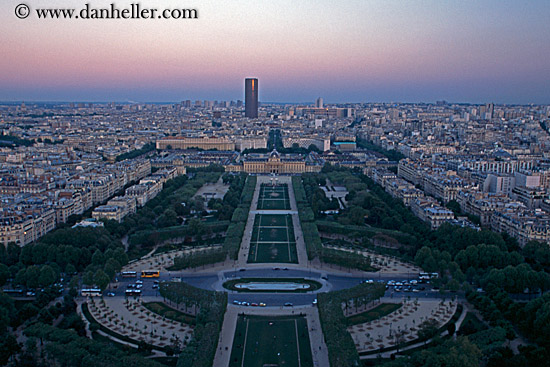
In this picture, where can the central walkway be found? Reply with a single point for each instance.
(225, 344)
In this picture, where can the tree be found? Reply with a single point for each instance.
(32, 274)
(428, 329)
(47, 276)
(88, 278)
(98, 258)
(101, 279)
(4, 273)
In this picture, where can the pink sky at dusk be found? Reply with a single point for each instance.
(472, 51)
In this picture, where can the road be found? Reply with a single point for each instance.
(330, 282)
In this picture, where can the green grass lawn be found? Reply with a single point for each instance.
(374, 314)
(273, 198)
(272, 220)
(275, 341)
(272, 240)
(273, 234)
(273, 253)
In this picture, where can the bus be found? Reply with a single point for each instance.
(150, 273)
(90, 292)
(14, 292)
(427, 276)
(128, 274)
(133, 292)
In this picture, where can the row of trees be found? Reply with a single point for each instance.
(211, 306)
(149, 147)
(341, 349)
(196, 259)
(309, 229)
(239, 217)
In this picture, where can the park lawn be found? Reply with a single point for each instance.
(274, 234)
(272, 220)
(374, 314)
(261, 340)
(274, 204)
(273, 197)
(273, 253)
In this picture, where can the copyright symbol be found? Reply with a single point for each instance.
(22, 11)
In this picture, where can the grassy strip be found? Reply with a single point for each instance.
(374, 314)
(164, 310)
(314, 285)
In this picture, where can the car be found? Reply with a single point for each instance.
(254, 304)
(242, 269)
(138, 286)
(415, 290)
(285, 268)
(155, 286)
(398, 284)
(139, 281)
(288, 304)
(369, 281)
(276, 268)
(391, 282)
(324, 277)
(235, 302)
(422, 288)
(156, 282)
(110, 294)
(131, 286)
(414, 282)
(314, 302)
(262, 304)
(397, 289)
(245, 304)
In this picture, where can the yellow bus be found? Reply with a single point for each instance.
(150, 273)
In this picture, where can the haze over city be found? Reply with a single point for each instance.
(346, 51)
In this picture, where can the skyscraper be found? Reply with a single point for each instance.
(319, 102)
(251, 98)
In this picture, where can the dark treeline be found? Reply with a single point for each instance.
(200, 351)
(341, 349)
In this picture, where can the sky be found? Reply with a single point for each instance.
(471, 51)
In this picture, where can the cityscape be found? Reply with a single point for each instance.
(292, 185)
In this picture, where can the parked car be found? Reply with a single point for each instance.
(288, 304)
(110, 294)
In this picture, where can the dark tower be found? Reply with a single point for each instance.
(251, 98)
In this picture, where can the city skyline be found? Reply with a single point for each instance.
(355, 51)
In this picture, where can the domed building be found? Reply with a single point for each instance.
(276, 163)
